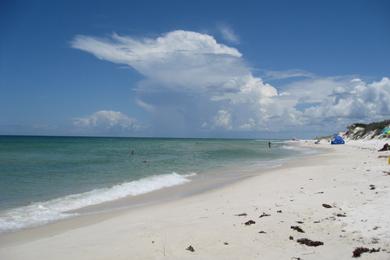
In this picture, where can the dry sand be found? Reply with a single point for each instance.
(292, 196)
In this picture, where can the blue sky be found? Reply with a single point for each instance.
(192, 69)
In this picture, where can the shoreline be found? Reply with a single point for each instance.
(191, 184)
(207, 219)
(199, 184)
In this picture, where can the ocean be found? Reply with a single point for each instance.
(43, 178)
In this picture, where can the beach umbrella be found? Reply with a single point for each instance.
(337, 140)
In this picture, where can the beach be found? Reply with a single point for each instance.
(340, 197)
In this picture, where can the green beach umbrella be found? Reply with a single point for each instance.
(386, 131)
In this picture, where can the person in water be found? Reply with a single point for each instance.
(269, 144)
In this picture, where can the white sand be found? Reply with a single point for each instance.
(206, 221)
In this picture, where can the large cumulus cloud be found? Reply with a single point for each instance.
(192, 81)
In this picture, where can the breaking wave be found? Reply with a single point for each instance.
(39, 213)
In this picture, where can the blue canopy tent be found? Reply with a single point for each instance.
(337, 140)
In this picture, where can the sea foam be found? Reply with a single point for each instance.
(39, 213)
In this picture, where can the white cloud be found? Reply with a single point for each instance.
(191, 80)
(146, 106)
(355, 99)
(332, 103)
(250, 125)
(228, 34)
(185, 62)
(223, 119)
(106, 119)
(177, 59)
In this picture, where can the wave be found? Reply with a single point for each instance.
(39, 213)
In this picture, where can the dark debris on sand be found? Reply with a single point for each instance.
(372, 187)
(264, 215)
(262, 232)
(250, 222)
(190, 248)
(297, 228)
(360, 250)
(291, 237)
(326, 206)
(308, 242)
(341, 215)
(242, 215)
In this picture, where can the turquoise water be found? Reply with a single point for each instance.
(43, 177)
